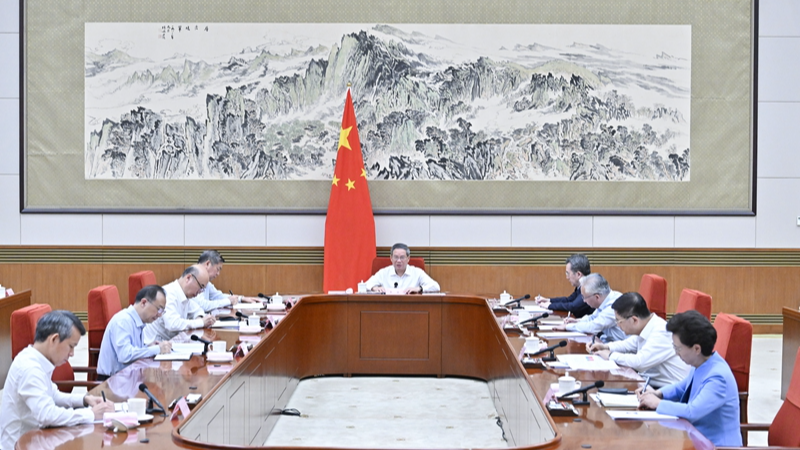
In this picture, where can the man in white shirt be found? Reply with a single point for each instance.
(401, 276)
(648, 349)
(598, 295)
(212, 298)
(30, 399)
(180, 312)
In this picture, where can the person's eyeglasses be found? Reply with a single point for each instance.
(399, 258)
(202, 286)
(622, 319)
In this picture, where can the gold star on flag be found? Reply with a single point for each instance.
(343, 142)
(363, 173)
(350, 184)
(335, 181)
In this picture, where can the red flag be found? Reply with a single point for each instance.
(349, 226)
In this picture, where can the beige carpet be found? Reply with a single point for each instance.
(390, 412)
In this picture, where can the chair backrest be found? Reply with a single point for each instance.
(138, 280)
(23, 331)
(783, 431)
(383, 261)
(654, 290)
(23, 326)
(734, 345)
(692, 299)
(103, 304)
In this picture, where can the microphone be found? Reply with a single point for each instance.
(239, 315)
(206, 343)
(395, 284)
(584, 390)
(153, 399)
(517, 300)
(265, 297)
(534, 319)
(552, 356)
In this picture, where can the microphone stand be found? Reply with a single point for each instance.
(151, 408)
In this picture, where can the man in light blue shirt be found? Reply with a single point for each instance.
(123, 342)
(212, 298)
(598, 295)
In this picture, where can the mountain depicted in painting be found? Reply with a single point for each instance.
(430, 106)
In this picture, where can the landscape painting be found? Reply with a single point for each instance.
(455, 102)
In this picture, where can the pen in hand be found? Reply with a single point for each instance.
(646, 383)
(103, 394)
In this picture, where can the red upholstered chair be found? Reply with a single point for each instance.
(783, 431)
(654, 290)
(138, 280)
(382, 261)
(692, 299)
(23, 332)
(103, 304)
(734, 344)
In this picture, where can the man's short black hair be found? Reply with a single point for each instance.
(579, 263)
(57, 322)
(211, 255)
(150, 293)
(631, 304)
(692, 328)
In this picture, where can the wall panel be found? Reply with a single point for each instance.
(756, 283)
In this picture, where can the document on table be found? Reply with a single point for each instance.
(560, 335)
(174, 356)
(617, 400)
(626, 414)
(249, 306)
(188, 347)
(225, 324)
(535, 309)
(587, 362)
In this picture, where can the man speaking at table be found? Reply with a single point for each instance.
(400, 276)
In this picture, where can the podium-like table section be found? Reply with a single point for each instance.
(370, 335)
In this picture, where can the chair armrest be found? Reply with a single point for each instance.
(84, 369)
(755, 426)
(69, 385)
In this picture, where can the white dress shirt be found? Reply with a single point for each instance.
(212, 298)
(123, 342)
(32, 401)
(180, 313)
(413, 277)
(651, 354)
(602, 319)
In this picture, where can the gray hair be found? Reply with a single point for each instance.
(400, 246)
(57, 322)
(190, 270)
(595, 284)
(211, 255)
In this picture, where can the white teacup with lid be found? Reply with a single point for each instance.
(505, 296)
(566, 384)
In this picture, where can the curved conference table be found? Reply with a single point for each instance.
(433, 335)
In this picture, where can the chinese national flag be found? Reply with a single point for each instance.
(349, 226)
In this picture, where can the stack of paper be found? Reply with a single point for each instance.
(196, 348)
(617, 400)
(174, 356)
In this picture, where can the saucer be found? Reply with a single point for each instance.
(219, 356)
(145, 418)
(276, 307)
